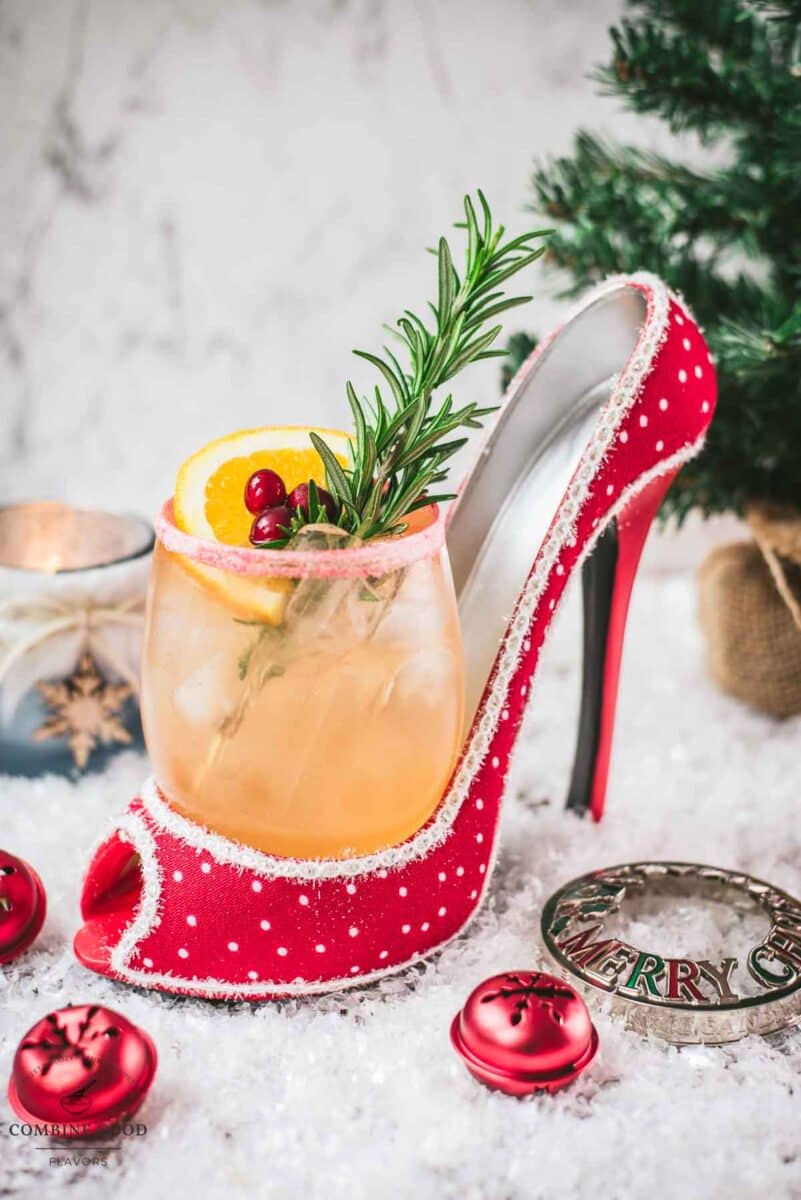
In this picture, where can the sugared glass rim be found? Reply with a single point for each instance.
(375, 557)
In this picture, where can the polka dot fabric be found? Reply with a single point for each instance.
(218, 931)
(211, 918)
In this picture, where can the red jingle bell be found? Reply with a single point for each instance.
(22, 906)
(81, 1069)
(524, 1031)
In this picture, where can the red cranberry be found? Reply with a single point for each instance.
(264, 489)
(298, 501)
(271, 525)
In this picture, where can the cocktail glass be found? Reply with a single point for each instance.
(306, 701)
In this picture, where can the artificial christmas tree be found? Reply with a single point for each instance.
(726, 233)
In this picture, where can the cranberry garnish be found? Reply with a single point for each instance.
(271, 526)
(298, 501)
(264, 489)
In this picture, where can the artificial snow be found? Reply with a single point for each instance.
(360, 1094)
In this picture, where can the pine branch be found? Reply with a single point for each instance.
(728, 236)
(727, 203)
(620, 208)
(728, 26)
(675, 60)
(518, 348)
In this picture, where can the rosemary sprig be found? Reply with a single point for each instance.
(402, 444)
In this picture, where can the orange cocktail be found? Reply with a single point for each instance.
(316, 713)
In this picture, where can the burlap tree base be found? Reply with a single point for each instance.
(750, 612)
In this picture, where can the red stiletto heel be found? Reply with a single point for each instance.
(607, 579)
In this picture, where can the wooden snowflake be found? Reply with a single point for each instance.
(85, 711)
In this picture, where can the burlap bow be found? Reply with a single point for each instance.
(750, 611)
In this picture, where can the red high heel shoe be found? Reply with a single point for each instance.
(594, 427)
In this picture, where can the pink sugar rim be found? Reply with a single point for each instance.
(372, 558)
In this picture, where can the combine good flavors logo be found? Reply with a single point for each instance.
(72, 1143)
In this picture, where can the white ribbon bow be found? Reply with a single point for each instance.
(41, 619)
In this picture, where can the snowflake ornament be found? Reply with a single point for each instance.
(84, 711)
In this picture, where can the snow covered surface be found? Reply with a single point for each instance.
(360, 1095)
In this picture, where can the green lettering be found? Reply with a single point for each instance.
(644, 974)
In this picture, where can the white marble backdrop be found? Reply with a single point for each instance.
(206, 204)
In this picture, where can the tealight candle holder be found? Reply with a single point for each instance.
(72, 597)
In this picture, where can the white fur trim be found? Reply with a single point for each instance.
(133, 829)
(147, 917)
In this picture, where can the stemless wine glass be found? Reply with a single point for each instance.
(305, 701)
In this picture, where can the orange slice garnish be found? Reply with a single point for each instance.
(209, 503)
